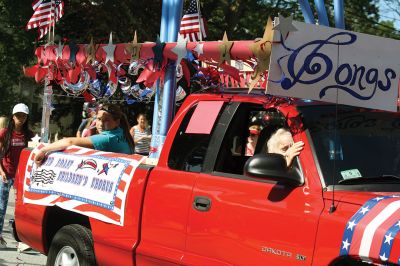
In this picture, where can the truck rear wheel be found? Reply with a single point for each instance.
(72, 245)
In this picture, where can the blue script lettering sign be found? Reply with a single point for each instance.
(334, 65)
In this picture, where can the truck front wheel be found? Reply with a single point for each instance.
(72, 245)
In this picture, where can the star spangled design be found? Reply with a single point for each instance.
(379, 198)
(262, 51)
(351, 225)
(348, 234)
(91, 51)
(364, 210)
(285, 26)
(383, 257)
(388, 238)
(109, 49)
(346, 244)
(36, 139)
(180, 49)
(225, 50)
(59, 50)
(398, 223)
(199, 49)
(133, 49)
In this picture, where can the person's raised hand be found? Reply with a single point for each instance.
(293, 151)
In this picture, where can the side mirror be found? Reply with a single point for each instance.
(272, 166)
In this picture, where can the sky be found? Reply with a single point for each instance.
(386, 14)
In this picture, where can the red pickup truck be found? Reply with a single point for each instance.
(206, 203)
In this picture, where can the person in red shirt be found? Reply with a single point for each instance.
(13, 139)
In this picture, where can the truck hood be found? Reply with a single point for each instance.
(358, 197)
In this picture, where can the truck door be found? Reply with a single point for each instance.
(237, 220)
(170, 186)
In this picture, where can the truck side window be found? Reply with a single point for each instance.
(188, 150)
(247, 135)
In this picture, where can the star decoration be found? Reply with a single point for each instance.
(73, 49)
(224, 50)
(388, 238)
(199, 49)
(351, 225)
(378, 198)
(364, 210)
(158, 50)
(262, 50)
(59, 50)
(285, 26)
(133, 49)
(109, 49)
(383, 257)
(91, 51)
(398, 223)
(35, 139)
(346, 245)
(180, 49)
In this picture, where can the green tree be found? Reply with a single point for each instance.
(16, 50)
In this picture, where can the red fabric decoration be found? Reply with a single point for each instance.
(40, 74)
(90, 70)
(80, 55)
(113, 76)
(31, 71)
(87, 96)
(231, 71)
(186, 72)
(73, 74)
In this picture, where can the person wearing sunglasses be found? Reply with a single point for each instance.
(114, 135)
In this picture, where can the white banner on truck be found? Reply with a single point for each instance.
(93, 183)
(334, 65)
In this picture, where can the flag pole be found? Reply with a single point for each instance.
(198, 10)
(54, 16)
(50, 24)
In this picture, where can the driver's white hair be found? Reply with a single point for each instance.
(275, 139)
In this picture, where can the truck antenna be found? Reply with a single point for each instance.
(332, 208)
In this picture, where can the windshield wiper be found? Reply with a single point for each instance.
(374, 180)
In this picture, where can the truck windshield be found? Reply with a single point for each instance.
(356, 145)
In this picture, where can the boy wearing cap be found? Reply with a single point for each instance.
(13, 140)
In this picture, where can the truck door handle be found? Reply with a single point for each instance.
(202, 204)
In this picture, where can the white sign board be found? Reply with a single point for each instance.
(334, 65)
(86, 181)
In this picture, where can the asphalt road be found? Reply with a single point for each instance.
(10, 255)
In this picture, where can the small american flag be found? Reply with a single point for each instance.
(192, 24)
(46, 13)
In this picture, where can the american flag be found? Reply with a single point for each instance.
(192, 24)
(372, 232)
(46, 13)
(96, 210)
